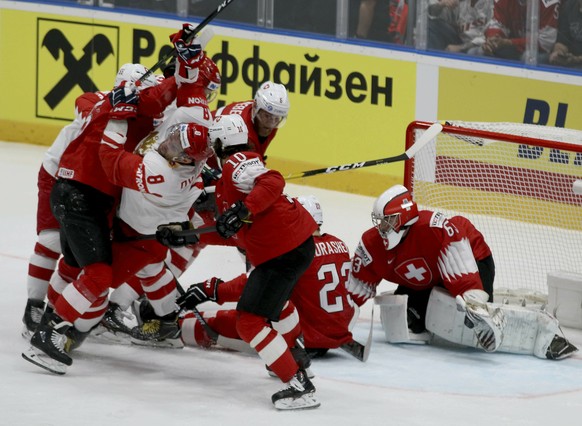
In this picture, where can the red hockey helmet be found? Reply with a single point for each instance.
(209, 78)
(393, 213)
(195, 142)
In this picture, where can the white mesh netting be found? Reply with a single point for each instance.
(516, 190)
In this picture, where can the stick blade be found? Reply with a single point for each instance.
(424, 139)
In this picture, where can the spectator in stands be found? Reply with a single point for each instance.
(383, 21)
(568, 48)
(505, 34)
(457, 26)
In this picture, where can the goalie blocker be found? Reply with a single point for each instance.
(525, 331)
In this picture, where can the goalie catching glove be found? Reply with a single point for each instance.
(172, 235)
(487, 323)
(200, 293)
(232, 220)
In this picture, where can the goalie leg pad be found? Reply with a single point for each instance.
(393, 315)
(445, 321)
(565, 297)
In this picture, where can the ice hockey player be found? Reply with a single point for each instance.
(320, 304)
(445, 270)
(263, 116)
(252, 207)
(83, 200)
(47, 249)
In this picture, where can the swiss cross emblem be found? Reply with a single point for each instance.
(415, 272)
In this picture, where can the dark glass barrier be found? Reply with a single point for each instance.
(536, 33)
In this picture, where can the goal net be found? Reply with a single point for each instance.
(515, 182)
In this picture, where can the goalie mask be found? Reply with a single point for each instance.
(132, 73)
(393, 213)
(311, 204)
(271, 105)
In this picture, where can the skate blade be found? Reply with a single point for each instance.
(304, 402)
(26, 333)
(42, 360)
(166, 343)
(103, 335)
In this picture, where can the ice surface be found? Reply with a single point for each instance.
(127, 385)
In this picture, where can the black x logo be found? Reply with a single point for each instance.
(77, 69)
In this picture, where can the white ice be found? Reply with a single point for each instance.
(126, 385)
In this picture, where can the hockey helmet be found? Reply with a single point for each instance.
(209, 78)
(393, 213)
(311, 204)
(272, 98)
(230, 129)
(194, 141)
(132, 73)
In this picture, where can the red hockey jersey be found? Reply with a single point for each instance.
(80, 161)
(244, 109)
(436, 251)
(321, 296)
(509, 19)
(279, 223)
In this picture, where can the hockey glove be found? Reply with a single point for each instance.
(124, 101)
(232, 220)
(200, 293)
(487, 323)
(172, 235)
(189, 54)
(210, 175)
(184, 34)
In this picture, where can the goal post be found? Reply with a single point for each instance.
(518, 183)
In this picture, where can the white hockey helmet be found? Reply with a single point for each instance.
(393, 213)
(311, 204)
(132, 73)
(230, 129)
(272, 98)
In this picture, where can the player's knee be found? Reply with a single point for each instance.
(288, 325)
(50, 239)
(249, 326)
(96, 279)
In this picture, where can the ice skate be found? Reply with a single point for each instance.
(32, 314)
(74, 339)
(161, 332)
(560, 348)
(114, 320)
(298, 395)
(47, 348)
(310, 374)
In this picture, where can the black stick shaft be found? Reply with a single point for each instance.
(223, 4)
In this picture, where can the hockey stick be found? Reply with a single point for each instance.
(199, 28)
(225, 342)
(356, 349)
(211, 333)
(426, 137)
(184, 233)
